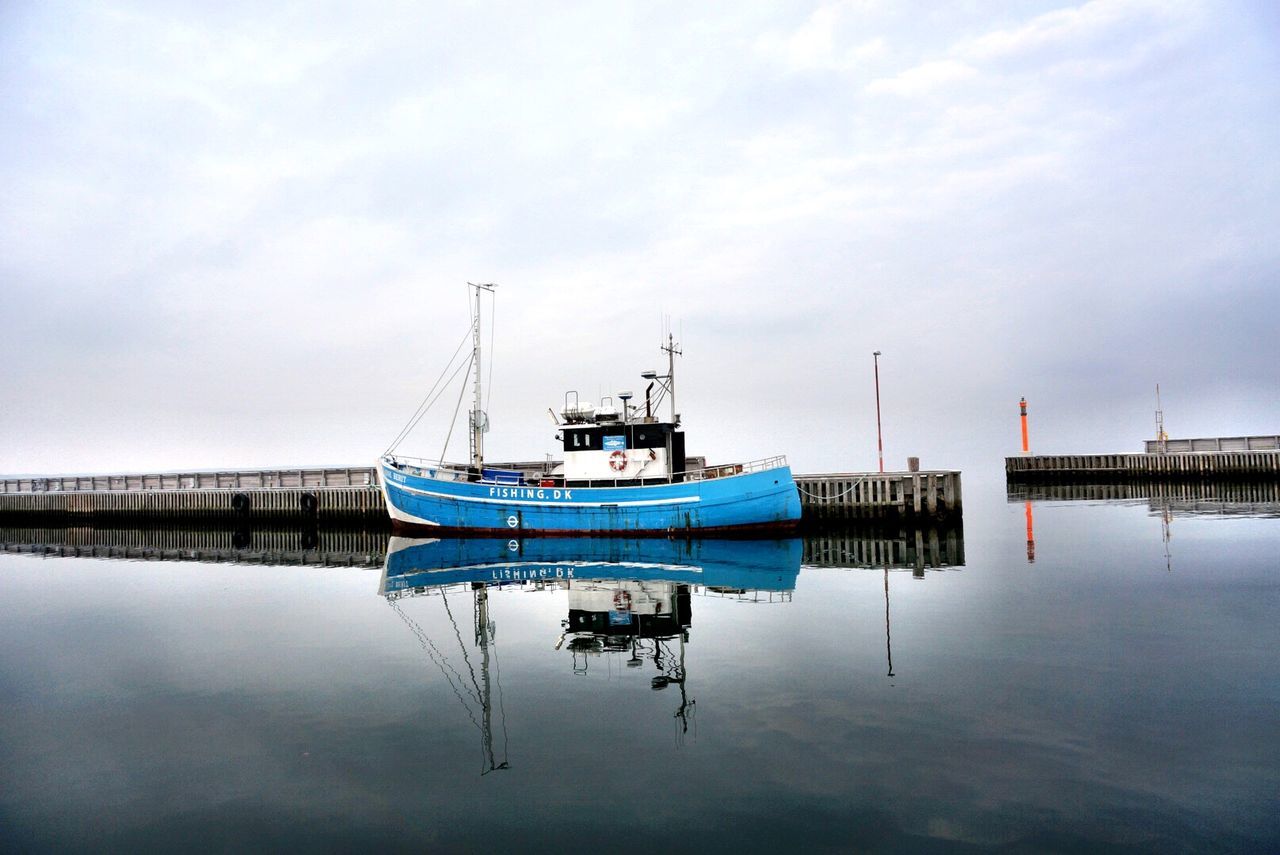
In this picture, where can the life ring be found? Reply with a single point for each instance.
(622, 601)
(618, 461)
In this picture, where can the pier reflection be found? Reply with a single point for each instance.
(937, 546)
(871, 546)
(915, 548)
(217, 544)
(1164, 500)
(1201, 498)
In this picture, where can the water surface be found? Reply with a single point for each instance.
(929, 690)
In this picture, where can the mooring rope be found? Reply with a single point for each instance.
(804, 492)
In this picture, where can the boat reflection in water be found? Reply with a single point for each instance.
(720, 565)
(630, 599)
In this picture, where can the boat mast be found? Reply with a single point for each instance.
(672, 350)
(479, 421)
(484, 635)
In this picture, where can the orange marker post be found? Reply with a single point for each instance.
(1026, 448)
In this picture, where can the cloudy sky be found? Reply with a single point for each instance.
(238, 235)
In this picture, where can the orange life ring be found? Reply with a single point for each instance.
(618, 461)
(622, 601)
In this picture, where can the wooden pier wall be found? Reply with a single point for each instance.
(1189, 466)
(861, 495)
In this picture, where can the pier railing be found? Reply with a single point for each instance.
(1212, 444)
(775, 462)
(254, 479)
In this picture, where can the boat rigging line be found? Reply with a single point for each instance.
(428, 401)
(458, 634)
(482, 696)
(456, 409)
(438, 658)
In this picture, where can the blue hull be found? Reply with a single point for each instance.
(754, 501)
(757, 565)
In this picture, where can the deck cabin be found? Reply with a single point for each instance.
(603, 447)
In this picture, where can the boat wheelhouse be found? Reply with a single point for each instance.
(624, 472)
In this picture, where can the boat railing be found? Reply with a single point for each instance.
(731, 469)
(428, 468)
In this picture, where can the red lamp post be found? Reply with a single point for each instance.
(879, 435)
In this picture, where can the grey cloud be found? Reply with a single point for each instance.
(248, 220)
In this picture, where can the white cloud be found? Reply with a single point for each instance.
(1076, 26)
(648, 113)
(826, 40)
(923, 79)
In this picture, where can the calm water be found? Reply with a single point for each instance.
(899, 691)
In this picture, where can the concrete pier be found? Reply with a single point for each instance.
(200, 496)
(1190, 466)
(203, 504)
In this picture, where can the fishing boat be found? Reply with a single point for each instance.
(624, 473)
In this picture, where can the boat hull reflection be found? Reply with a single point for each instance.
(753, 565)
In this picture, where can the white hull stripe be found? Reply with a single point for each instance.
(680, 500)
(576, 565)
(397, 514)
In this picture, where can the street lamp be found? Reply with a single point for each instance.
(879, 435)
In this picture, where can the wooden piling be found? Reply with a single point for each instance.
(872, 495)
